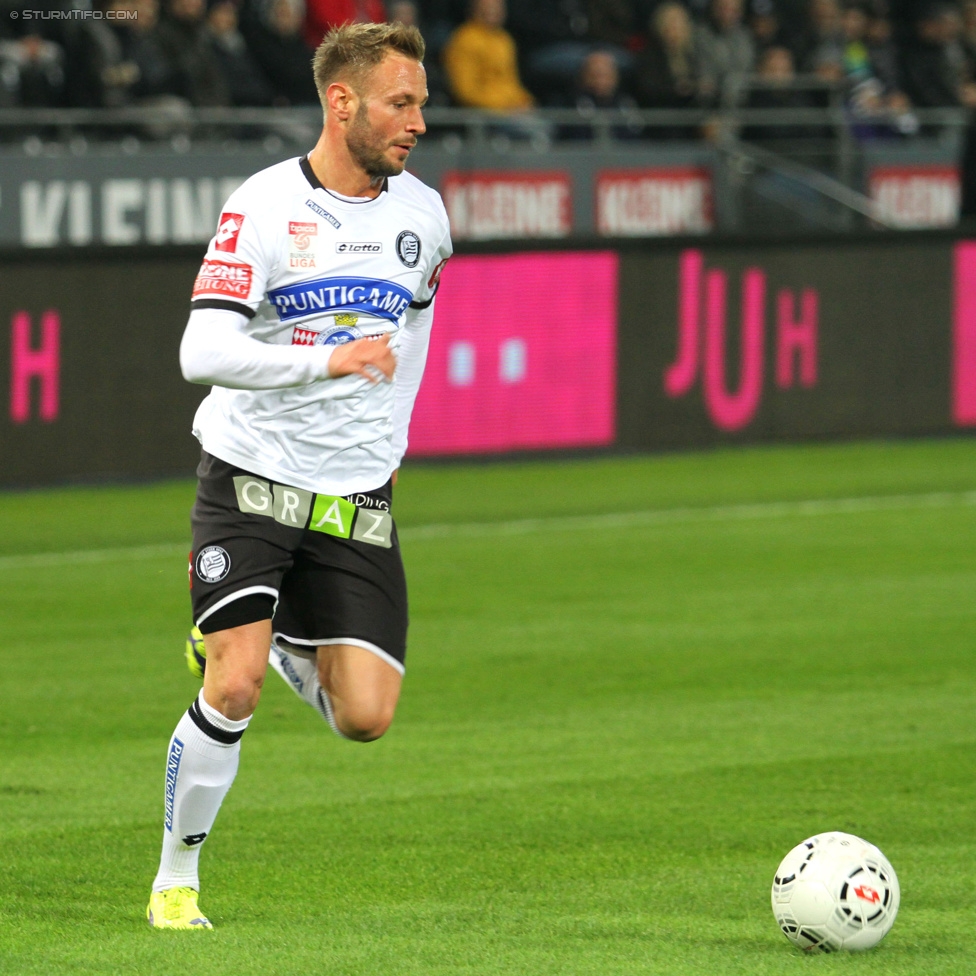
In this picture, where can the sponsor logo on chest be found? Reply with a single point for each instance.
(355, 296)
(303, 239)
(359, 247)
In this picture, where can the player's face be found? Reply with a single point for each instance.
(389, 120)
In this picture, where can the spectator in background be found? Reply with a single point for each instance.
(440, 18)
(967, 38)
(777, 70)
(31, 72)
(882, 49)
(668, 71)
(276, 39)
(598, 87)
(553, 40)
(764, 23)
(407, 13)
(243, 77)
(871, 102)
(132, 63)
(403, 12)
(480, 62)
(725, 47)
(554, 37)
(322, 15)
(933, 67)
(612, 25)
(186, 42)
(821, 46)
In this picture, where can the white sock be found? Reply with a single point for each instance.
(201, 765)
(302, 676)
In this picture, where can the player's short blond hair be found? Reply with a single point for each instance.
(351, 51)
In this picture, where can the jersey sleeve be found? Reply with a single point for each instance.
(235, 272)
(435, 265)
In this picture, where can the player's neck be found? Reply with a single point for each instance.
(336, 170)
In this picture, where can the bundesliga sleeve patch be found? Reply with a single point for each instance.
(228, 230)
(223, 278)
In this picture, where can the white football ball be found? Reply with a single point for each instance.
(835, 891)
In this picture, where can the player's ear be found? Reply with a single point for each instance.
(341, 100)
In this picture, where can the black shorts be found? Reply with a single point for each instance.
(326, 569)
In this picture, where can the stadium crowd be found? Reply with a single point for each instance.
(885, 55)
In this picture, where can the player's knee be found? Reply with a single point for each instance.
(363, 723)
(238, 697)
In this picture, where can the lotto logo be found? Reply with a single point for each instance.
(223, 278)
(228, 231)
(302, 233)
(359, 247)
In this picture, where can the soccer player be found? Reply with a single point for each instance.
(310, 317)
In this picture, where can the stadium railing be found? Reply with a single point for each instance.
(810, 160)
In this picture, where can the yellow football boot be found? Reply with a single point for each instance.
(196, 653)
(176, 908)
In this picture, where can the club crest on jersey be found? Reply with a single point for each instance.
(408, 248)
(302, 234)
(336, 335)
(213, 564)
(228, 230)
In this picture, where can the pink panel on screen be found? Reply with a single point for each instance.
(523, 355)
(964, 336)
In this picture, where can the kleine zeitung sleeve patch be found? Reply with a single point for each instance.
(223, 278)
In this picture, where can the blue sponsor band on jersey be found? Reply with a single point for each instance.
(172, 771)
(371, 296)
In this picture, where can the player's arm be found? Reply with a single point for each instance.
(215, 350)
(415, 342)
(411, 359)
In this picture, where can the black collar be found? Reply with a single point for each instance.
(316, 183)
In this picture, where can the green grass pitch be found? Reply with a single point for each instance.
(633, 685)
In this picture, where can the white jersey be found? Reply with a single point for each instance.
(310, 268)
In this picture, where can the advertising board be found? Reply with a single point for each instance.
(784, 342)
(916, 196)
(643, 347)
(523, 356)
(493, 205)
(654, 201)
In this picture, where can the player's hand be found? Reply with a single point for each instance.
(371, 358)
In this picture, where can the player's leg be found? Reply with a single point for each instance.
(236, 569)
(343, 607)
(203, 758)
(237, 660)
(362, 688)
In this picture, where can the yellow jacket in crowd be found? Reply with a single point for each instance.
(482, 69)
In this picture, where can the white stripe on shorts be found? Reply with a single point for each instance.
(236, 595)
(355, 641)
